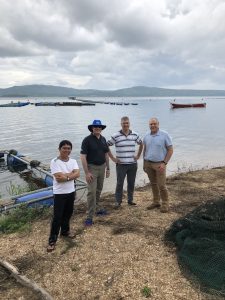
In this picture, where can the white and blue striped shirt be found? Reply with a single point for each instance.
(125, 145)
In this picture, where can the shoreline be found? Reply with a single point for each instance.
(120, 255)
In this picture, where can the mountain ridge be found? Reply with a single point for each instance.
(40, 90)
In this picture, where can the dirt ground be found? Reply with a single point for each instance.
(120, 255)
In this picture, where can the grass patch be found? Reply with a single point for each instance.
(21, 218)
(14, 189)
(146, 291)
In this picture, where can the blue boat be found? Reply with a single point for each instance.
(44, 197)
(15, 104)
(40, 197)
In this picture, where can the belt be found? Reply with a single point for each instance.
(151, 161)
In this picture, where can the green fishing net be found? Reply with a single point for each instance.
(200, 241)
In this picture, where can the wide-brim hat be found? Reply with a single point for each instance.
(96, 123)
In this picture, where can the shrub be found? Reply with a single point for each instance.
(21, 218)
(146, 291)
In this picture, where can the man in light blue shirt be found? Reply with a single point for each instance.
(158, 150)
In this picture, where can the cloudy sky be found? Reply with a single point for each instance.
(111, 44)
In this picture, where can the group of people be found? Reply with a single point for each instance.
(95, 152)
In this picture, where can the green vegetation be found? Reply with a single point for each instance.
(14, 189)
(21, 218)
(146, 291)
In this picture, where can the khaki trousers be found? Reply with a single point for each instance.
(95, 188)
(158, 182)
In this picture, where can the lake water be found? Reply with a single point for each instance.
(35, 131)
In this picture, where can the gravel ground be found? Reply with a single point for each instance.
(121, 256)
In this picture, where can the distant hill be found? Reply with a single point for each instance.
(136, 91)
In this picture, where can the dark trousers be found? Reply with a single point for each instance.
(62, 212)
(123, 170)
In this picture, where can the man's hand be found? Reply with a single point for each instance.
(89, 177)
(162, 167)
(136, 157)
(117, 160)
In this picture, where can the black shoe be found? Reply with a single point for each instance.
(102, 212)
(117, 206)
(132, 203)
(69, 235)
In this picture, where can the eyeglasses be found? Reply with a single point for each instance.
(97, 127)
(125, 123)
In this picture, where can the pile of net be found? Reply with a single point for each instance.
(200, 241)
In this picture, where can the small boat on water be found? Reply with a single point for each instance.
(15, 104)
(185, 105)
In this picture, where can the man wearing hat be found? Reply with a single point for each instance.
(95, 162)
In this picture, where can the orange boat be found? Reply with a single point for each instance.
(183, 105)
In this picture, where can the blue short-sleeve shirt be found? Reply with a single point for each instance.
(156, 145)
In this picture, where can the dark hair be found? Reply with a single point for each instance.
(65, 142)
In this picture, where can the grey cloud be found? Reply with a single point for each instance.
(112, 44)
(84, 12)
(46, 27)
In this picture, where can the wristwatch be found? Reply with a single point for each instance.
(164, 162)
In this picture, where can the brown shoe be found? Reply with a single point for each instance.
(153, 205)
(164, 209)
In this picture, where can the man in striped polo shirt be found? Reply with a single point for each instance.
(125, 141)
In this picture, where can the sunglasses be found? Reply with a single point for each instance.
(97, 127)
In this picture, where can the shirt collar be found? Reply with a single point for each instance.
(157, 133)
(130, 131)
(92, 134)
